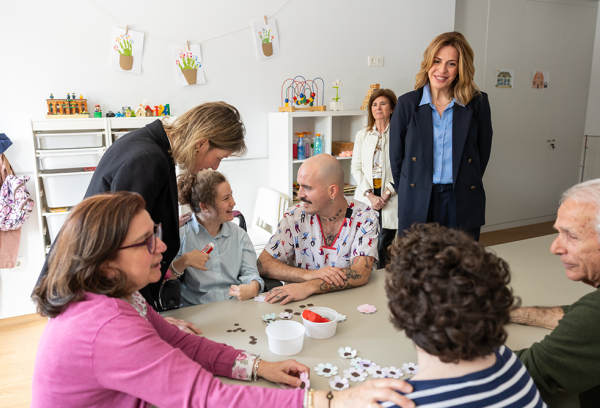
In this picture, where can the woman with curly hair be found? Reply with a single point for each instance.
(451, 297)
(441, 139)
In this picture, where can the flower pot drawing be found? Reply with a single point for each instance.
(126, 62)
(190, 75)
(267, 49)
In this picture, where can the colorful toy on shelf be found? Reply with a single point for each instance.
(161, 110)
(80, 96)
(66, 108)
(372, 89)
(97, 111)
(301, 93)
(68, 96)
(144, 111)
(118, 115)
(336, 105)
(110, 114)
(73, 97)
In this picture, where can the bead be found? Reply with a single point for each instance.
(286, 100)
(311, 104)
(312, 94)
(294, 98)
(301, 95)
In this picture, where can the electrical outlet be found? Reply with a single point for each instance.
(375, 61)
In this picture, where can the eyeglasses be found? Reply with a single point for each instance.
(151, 241)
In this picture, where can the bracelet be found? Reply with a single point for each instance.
(256, 367)
(329, 398)
(175, 272)
(368, 192)
(310, 402)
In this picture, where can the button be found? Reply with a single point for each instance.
(470, 160)
(440, 153)
(472, 187)
(412, 185)
(414, 159)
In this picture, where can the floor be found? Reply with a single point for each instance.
(20, 336)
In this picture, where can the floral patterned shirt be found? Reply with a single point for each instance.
(299, 237)
(244, 362)
(378, 153)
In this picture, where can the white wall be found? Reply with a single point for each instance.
(592, 119)
(65, 47)
(525, 176)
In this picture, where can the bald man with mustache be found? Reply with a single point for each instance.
(324, 244)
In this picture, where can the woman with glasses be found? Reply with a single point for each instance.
(230, 269)
(105, 347)
(144, 162)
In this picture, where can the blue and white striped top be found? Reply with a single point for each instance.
(506, 384)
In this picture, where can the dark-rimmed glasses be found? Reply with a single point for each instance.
(151, 241)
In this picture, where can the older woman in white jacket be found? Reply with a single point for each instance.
(372, 171)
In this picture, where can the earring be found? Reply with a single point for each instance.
(332, 199)
(197, 150)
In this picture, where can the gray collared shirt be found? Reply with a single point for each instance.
(232, 262)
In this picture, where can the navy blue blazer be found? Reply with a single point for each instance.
(411, 158)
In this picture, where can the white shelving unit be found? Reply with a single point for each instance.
(62, 148)
(333, 126)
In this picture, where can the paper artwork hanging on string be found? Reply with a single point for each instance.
(505, 78)
(540, 80)
(127, 49)
(266, 38)
(188, 65)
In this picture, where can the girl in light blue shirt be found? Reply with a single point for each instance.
(230, 269)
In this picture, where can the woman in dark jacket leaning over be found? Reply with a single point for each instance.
(440, 141)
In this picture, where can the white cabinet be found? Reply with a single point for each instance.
(66, 152)
(333, 126)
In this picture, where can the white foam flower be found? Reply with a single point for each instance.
(355, 374)
(326, 370)
(392, 372)
(410, 368)
(355, 361)
(365, 364)
(376, 372)
(338, 383)
(341, 318)
(269, 318)
(346, 352)
(285, 315)
(259, 299)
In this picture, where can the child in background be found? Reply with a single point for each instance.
(230, 269)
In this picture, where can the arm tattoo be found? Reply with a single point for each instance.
(263, 272)
(351, 274)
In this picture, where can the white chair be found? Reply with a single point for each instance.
(268, 211)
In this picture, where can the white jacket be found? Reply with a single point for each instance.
(362, 171)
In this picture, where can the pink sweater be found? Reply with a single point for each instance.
(101, 353)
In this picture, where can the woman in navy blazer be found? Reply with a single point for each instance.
(440, 141)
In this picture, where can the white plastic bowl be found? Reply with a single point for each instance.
(321, 330)
(286, 337)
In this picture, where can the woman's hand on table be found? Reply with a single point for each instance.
(282, 372)
(367, 395)
(376, 202)
(183, 325)
(245, 291)
(289, 293)
(184, 218)
(196, 259)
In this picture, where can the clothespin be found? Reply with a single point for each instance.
(265, 20)
(188, 45)
(126, 30)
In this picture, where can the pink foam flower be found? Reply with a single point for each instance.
(366, 308)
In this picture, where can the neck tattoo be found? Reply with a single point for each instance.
(337, 214)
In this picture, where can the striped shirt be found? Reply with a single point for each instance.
(506, 384)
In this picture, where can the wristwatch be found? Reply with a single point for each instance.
(368, 192)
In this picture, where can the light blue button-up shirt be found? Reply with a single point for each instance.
(232, 262)
(442, 139)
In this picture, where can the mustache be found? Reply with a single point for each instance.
(304, 200)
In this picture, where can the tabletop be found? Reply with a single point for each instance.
(372, 335)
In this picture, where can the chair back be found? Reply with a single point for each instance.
(269, 209)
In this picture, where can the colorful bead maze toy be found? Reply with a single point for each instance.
(301, 95)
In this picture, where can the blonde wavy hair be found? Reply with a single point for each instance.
(217, 122)
(462, 88)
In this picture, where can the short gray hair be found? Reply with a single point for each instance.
(586, 192)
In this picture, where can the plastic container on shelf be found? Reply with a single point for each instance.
(68, 159)
(295, 146)
(285, 337)
(301, 155)
(65, 189)
(318, 142)
(307, 142)
(55, 222)
(69, 140)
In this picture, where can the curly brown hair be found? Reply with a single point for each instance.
(448, 294)
(192, 190)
